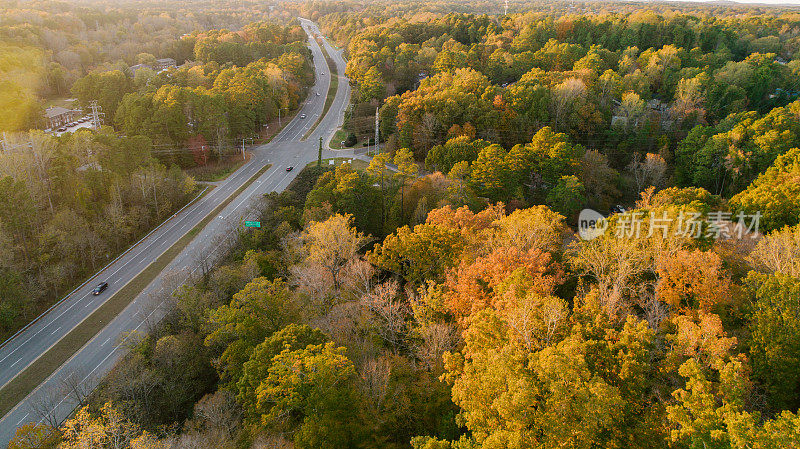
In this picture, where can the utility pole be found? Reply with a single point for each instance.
(377, 142)
(243, 158)
(319, 154)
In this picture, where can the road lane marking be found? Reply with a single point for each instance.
(140, 250)
(225, 188)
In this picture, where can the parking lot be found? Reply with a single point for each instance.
(83, 122)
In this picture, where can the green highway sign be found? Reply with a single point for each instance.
(252, 224)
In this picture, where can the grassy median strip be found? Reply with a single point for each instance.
(19, 387)
(331, 91)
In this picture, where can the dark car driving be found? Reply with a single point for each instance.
(289, 168)
(100, 287)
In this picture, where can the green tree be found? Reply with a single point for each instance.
(457, 149)
(257, 311)
(292, 338)
(490, 174)
(350, 192)
(775, 337)
(107, 88)
(311, 392)
(775, 193)
(568, 196)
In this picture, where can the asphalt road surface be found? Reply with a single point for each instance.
(99, 355)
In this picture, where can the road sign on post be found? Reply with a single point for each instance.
(252, 224)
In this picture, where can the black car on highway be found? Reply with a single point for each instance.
(289, 168)
(100, 287)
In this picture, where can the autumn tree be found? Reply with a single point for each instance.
(497, 376)
(693, 280)
(327, 248)
(310, 392)
(109, 428)
(534, 228)
(481, 284)
(778, 252)
(293, 337)
(424, 253)
(714, 408)
(35, 436)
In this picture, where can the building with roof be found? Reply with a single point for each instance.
(163, 64)
(160, 64)
(57, 116)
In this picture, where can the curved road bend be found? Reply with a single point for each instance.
(98, 356)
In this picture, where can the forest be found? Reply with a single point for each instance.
(76, 201)
(442, 297)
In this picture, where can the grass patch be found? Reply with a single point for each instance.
(338, 137)
(62, 102)
(357, 164)
(331, 91)
(219, 170)
(19, 387)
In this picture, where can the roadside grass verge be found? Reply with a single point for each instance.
(331, 91)
(338, 137)
(357, 164)
(37, 372)
(218, 171)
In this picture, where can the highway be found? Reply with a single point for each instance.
(100, 354)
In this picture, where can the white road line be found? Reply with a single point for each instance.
(57, 329)
(287, 131)
(132, 256)
(23, 419)
(247, 197)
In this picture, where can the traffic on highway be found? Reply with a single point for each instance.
(286, 151)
